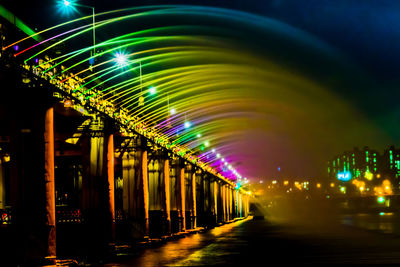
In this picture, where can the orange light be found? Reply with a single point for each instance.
(67, 103)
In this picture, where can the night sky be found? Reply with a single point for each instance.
(365, 33)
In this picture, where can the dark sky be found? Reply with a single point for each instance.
(367, 32)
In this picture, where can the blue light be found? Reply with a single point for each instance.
(187, 124)
(344, 176)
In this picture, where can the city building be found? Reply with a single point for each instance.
(366, 170)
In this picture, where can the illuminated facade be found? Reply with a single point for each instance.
(366, 169)
(357, 162)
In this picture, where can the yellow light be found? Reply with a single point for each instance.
(332, 185)
(274, 182)
(378, 176)
(343, 189)
(318, 185)
(368, 175)
(6, 158)
(286, 182)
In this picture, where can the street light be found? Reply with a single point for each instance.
(121, 59)
(67, 3)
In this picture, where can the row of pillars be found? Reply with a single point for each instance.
(183, 196)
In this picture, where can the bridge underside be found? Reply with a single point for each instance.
(72, 184)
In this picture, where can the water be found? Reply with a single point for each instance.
(382, 222)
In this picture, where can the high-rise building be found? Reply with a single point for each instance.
(366, 170)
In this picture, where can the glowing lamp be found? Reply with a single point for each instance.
(152, 90)
(380, 199)
(187, 124)
(121, 59)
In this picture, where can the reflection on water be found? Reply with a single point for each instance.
(387, 223)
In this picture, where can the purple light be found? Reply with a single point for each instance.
(16, 47)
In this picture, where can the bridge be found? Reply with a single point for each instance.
(81, 170)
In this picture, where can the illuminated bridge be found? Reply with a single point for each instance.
(97, 155)
(134, 125)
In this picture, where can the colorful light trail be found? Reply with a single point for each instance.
(167, 73)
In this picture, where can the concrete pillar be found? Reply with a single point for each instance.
(181, 177)
(194, 208)
(231, 205)
(110, 185)
(98, 193)
(167, 199)
(215, 200)
(145, 190)
(128, 176)
(50, 183)
(2, 185)
(224, 202)
(32, 184)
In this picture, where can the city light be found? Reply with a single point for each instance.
(369, 176)
(67, 3)
(187, 124)
(381, 200)
(172, 111)
(344, 176)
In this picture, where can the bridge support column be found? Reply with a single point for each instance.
(231, 204)
(129, 200)
(194, 207)
(32, 184)
(2, 186)
(50, 183)
(223, 195)
(181, 177)
(215, 200)
(110, 187)
(98, 199)
(167, 198)
(144, 185)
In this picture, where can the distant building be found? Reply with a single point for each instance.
(357, 162)
(366, 169)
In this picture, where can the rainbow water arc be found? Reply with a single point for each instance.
(190, 75)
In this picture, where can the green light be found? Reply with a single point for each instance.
(207, 143)
(152, 90)
(198, 135)
(202, 148)
(381, 200)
